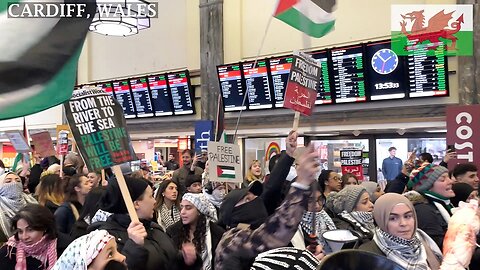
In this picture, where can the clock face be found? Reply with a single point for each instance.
(384, 61)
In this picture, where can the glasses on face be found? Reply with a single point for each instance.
(336, 178)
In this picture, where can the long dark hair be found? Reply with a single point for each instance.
(73, 182)
(198, 236)
(160, 199)
(39, 218)
(91, 205)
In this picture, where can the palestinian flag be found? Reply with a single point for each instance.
(225, 171)
(313, 17)
(38, 59)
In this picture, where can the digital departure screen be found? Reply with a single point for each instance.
(107, 87)
(279, 72)
(257, 84)
(179, 83)
(122, 93)
(427, 74)
(348, 74)
(161, 100)
(385, 72)
(324, 94)
(141, 97)
(230, 78)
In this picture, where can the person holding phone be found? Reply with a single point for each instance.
(448, 156)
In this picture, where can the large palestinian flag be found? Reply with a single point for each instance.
(313, 17)
(38, 59)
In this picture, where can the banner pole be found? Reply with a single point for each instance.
(103, 177)
(296, 120)
(61, 166)
(125, 193)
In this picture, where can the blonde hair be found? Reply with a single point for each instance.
(50, 189)
(250, 177)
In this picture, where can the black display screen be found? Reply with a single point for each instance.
(427, 72)
(257, 85)
(179, 83)
(141, 97)
(279, 72)
(122, 93)
(162, 104)
(230, 78)
(324, 94)
(385, 72)
(107, 87)
(348, 74)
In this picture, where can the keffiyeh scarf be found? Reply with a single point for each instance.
(169, 216)
(323, 223)
(363, 221)
(44, 250)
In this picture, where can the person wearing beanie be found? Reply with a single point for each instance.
(463, 193)
(398, 238)
(374, 190)
(434, 210)
(193, 183)
(285, 258)
(353, 211)
(144, 244)
(197, 232)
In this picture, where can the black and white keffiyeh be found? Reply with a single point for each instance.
(323, 223)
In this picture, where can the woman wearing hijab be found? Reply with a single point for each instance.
(398, 238)
(95, 250)
(198, 228)
(34, 244)
(353, 211)
(12, 199)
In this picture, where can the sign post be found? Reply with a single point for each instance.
(99, 128)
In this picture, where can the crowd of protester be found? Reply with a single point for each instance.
(79, 219)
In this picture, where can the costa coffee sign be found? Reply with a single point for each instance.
(463, 132)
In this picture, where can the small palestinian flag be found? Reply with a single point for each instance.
(225, 171)
(313, 17)
(39, 57)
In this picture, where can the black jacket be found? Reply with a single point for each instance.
(34, 178)
(51, 206)
(431, 221)
(174, 232)
(397, 185)
(65, 218)
(276, 188)
(371, 247)
(157, 253)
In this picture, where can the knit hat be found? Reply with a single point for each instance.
(192, 178)
(462, 192)
(202, 204)
(285, 258)
(347, 198)
(112, 200)
(422, 178)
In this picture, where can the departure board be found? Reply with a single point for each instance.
(279, 72)
(107, 87)
(427, 74)
(123, 96)
(180, 89)
(348, 74)
(162, 104)
(324, 94)
(230, 78)
(141, 97)
(385, 72)
(257, 85)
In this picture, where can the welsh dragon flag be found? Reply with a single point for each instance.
(313, 17)
(38, 59)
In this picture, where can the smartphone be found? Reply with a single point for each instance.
(450, 148)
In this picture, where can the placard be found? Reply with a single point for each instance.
(352, 160)
(463, 126)
(99, 128)
(224, 162)
(203, 134)
(18, 141)
(302, 84)
(43, 144)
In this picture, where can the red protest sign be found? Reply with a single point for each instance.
(43, 144)
(302, 84)
(463, 125)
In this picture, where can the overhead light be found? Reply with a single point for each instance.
(401, 131)
(356, 133)
(120, 18)
(436, 131)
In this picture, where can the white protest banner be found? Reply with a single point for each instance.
(224, 164)
(18, 141)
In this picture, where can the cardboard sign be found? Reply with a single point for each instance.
(224, 163)
(463, 127)
(302, 84)
(352, 160)
(64, 127)
(203, 134)
(18, 141)
(43, 144)
(99, 128)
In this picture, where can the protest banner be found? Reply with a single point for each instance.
(224, 163)
(352, 160)
(203, 134)
(18, 141)
(43, 144)
(99, 128)
(463, 123)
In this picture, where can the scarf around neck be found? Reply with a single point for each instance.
(12, 200)
(323, 223)
(207, 250)
(365, 218)
(169, 216)
(44, 250)
(441, 203)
